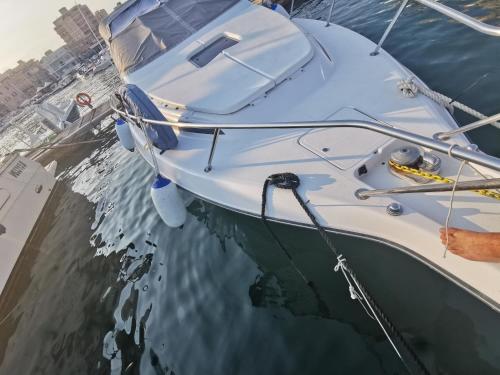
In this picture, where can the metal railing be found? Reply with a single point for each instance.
(330, 12)
(444, 136)
(445, 10)
(453, 150)
(432, 188)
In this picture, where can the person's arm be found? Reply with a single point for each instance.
(477, 246)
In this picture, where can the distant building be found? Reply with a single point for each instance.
(101, 14)
(3, 112)
(10, 96)
(59, 62)
(20, 83)
(29, 75)
(78, 27)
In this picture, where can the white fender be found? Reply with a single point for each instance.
(124, 134)
(168, 202)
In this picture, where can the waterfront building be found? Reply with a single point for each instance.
(3, 112)
(20, 83)
(101, 14)
(59, 62)
(10, 96)
(27, 76)
(78, 27)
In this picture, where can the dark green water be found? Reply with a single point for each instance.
(105, 287)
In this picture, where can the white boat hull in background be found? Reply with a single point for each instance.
(58, 118)
(25, 187)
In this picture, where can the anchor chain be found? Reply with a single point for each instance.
(438, 178)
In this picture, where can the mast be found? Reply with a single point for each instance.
(88, 25)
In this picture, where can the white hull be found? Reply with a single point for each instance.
(256, 81)
(103, 64)
(25, 187)
(57, 119)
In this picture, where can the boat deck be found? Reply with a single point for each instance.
(343, 82)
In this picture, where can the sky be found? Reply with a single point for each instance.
(26, 29)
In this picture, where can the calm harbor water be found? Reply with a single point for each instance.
(105, 287)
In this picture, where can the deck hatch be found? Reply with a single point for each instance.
(210, 52)
(344, 147)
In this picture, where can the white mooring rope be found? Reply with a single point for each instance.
(340, 266)
(450, 209)
(409, 88)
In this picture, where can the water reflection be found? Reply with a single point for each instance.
(205, 306)
(222, 292)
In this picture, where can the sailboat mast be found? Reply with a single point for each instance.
(88, 25)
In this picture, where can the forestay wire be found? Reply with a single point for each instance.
(290, 181)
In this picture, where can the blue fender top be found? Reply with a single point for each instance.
(139, 104)
(160, 182)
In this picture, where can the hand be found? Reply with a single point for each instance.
(476, 246)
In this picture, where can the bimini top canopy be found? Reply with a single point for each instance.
(141, 30)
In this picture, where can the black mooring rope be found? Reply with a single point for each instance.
(290, 181)
(322, 306)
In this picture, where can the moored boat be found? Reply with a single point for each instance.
(226, 93)
(25, 187)
(58, 118)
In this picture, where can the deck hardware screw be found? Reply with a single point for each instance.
(394, 209)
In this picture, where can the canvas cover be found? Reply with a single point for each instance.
(138, 104)
(141, 30)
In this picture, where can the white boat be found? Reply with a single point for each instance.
(58, 118)
(81, 76)
(250, 93)
(85, 71)
(25, 187)
(102, 64)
